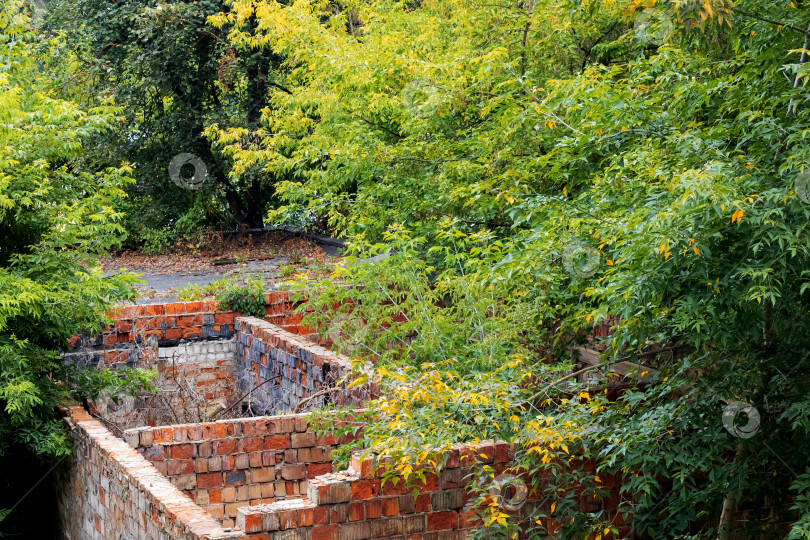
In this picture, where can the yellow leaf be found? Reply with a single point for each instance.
(667, 254)
(565, 192)
(723, 207)
(737, 216)
(695, 248)
(553, 506)
(609, 262)
(312, 67)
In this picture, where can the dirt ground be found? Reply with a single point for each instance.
(274, 256)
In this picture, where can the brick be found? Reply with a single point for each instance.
(191, 333)
(276, 442)
(200, 465)
(295, 472)
(360, 530)
(173, 333)
(288, 519)
(306, 517)
(338, 513)
(182, 451)
(386, 528)
(241, 461)
(321, 515)
(177, 467)
(251, 444)
(176, 308)
(390, 506)
(266, 474)
(414, 524)
(501, 452)
(447, 500)
(373, 509)
(439, 521)
(317, 469)
(209, 480)
(234, 478)
(302, 440)
(356, 511)
(325, 532)
(225, 447)
(339, 492)
(248, 520)
(362, 489)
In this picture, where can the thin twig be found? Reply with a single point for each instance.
(313, 396)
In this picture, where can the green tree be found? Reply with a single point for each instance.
(55, 215)
(174, 76)
(539, 168)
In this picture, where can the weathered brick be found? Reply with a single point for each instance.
(294, 472)
(360, 530)
(301, 440)
(437, 521)
(386, 528)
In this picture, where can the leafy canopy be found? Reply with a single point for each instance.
(537, 168)
(56, 213)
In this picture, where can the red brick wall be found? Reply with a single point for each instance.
(110, 491)
(190, 344)
(137, 330)
(231, 463)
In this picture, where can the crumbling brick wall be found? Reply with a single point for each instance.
(279, 370)
(231, 463)
(192, 347)
(109, 491)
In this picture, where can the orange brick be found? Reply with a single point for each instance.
(223, 318)
(325, 532)
(195, 307)
(155, 309)
(361, 489)
(190, 333)
(173, 333)
(356, 511)
(276, 442)
(390, 506)
(189, 320)
(306, 517)
(321, 516)
(253, 523)
(176, 308)
(211, 480)
(182, 451)
(317, 469)
(440, 521)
